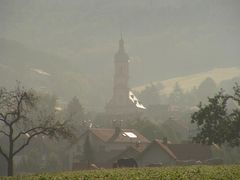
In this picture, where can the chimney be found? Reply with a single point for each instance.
(165, 141)
(117, 125)
(116, 134)
(117, 130)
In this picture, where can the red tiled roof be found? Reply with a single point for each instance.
(185, 151)
(158, 143)
(107, 134)
(191, 151)
(165, 148)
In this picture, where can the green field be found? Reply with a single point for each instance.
(181, 172)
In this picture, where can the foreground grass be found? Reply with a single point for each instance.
(169, 173)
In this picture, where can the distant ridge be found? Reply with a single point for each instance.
(187, 83)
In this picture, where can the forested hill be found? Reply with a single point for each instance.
(44, 72)
(223, 77)
(164, 38)
(63, 77)
(74, 42)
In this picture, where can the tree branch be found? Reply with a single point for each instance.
(18, 110)
(4, 119)
(4, 133)
(27, 142)
(1, 115)
(31, 136)
(4, 155)
(26, 132)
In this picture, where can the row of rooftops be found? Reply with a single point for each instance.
(140, 144)
(120, 135)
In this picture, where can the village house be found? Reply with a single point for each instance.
(191, 152)
(105, 144)
(109, 145)
(132, 151)
(156, 153)
(162, 152)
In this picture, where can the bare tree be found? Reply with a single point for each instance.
(22, 118)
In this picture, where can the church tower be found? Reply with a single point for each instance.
(121, 75)
(122, 101)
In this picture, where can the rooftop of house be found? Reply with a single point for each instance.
(164, 147)
(119, 135)
(191, 151)
(186, 151)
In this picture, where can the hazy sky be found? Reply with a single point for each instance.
(163, 38)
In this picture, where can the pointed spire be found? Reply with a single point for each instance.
(121, 55)
(121, 44)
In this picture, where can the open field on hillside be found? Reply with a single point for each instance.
(180, 172)
(188, 82)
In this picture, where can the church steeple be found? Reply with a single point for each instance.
(122, 102)
(121, 55)
(121, 45)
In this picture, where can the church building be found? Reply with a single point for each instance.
(123, 100)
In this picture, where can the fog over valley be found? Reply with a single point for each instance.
(102, 84)
(163, 39)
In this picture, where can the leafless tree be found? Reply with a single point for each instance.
(22, 118)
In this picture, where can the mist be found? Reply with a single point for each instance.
(94, 59)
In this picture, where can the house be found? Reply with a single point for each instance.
(132, 151)
(105, 144)
(156, 153)
(161, 152)
(189, 151)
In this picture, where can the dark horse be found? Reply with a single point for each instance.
(130, 162)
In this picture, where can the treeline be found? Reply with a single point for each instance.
(152, 94)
